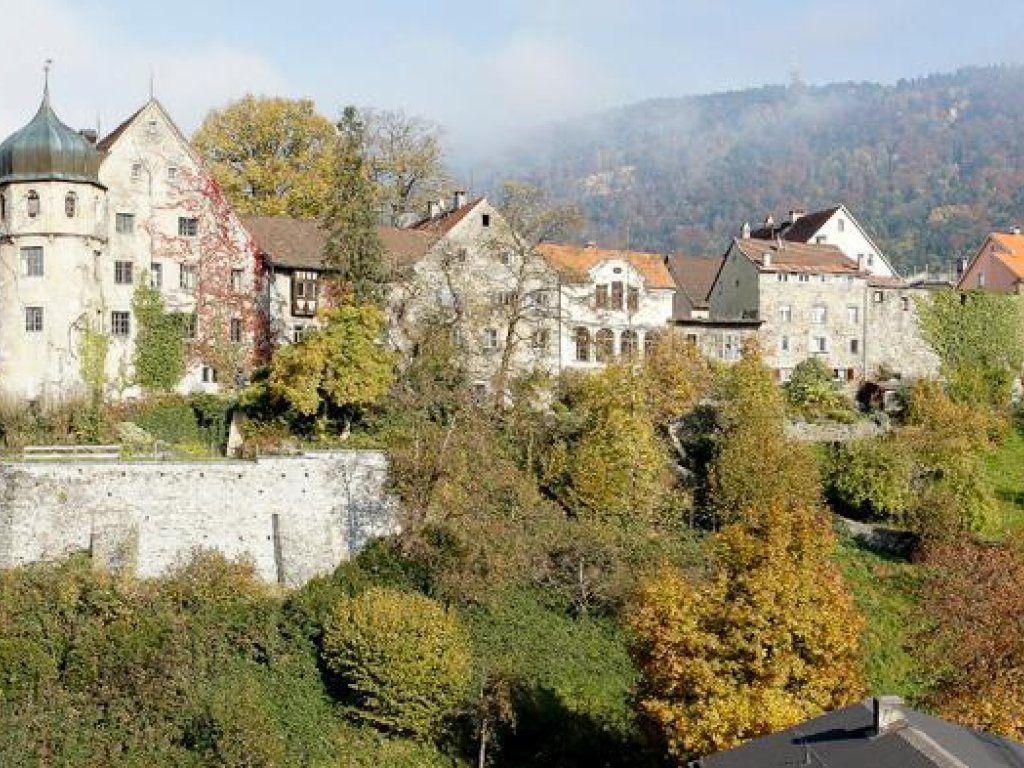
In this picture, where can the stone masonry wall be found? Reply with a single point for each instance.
(294, 518)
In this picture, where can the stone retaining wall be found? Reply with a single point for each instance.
(293, 517)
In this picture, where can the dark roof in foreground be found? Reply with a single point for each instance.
(846, 739)
(299, 243)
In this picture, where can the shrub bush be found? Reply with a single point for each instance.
(404, 662)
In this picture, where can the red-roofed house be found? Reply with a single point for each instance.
(998, 265)
(612, 303)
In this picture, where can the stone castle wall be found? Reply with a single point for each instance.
(294, 518)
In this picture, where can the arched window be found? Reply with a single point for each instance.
(70, 204)
(605, 345)
(33, 204)
(629, 344)
(582, 338)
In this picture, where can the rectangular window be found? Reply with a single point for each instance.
(237, 280)
(853, 315)
(877, 297)
(209, 375)
(542, 299)
(616, 300)
(540, 338)
(490, 340)
(784, 343)
(298, 333)
(188, 277)
(905, 303)
(236, 330)
(124, 223)
(785, 314)
(156, 275)
(136, 171)
(120, 323)
(804, 278)
(189, 326)
(172, 173)
(819, 344)
(188, 226)
(818, 315)
(601, 297)
(32, 261)
(33, 319)
(633, 299)
(854, 346)
(485, 219)
(505, 298)
(123, 272)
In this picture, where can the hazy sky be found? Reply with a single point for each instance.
(483, 70)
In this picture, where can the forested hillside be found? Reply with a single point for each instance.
(928, 165)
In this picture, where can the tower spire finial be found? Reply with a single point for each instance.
(46, 80)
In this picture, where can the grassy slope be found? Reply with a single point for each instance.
(1005, 467)
(884, 589)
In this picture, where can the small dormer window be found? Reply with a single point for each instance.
(70, 205)
(151, 126)
(33, 204)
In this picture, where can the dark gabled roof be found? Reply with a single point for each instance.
(694, 275)
(300, 243)
(443, 224)
(800, 231)
(785, 256)
(845, 738)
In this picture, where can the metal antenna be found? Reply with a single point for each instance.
(152, 78)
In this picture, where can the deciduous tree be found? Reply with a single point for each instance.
(272, 156)
(770, 640)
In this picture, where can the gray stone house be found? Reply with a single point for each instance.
(797, 301)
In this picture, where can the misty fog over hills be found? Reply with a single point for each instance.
(928, 165)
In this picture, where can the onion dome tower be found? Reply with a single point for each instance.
(48, 150)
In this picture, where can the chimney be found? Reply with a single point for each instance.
(432, 209)
(745, 230)
(1014, 230)
(796, 215)
(769, 220)
(89, 134)
(888, 714)
(961, 266)
(459, 199)
(766, 259)
(861, 261)
(591, 245)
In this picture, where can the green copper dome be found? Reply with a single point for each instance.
(47, 150)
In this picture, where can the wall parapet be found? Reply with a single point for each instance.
(294, 517)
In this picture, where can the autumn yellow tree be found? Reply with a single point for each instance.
(755, 465)
(769, 636)
(771, 639)
(271, 156)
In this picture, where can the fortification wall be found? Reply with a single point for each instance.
(293, 517)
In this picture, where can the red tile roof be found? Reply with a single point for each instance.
(1010, 252)
(573, 262)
